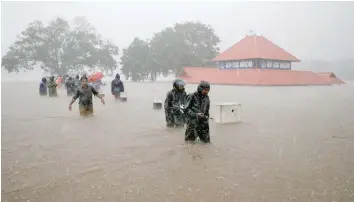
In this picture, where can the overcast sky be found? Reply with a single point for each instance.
(308, 30)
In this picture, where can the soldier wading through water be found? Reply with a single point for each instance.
(174, 104)
(197, 111)
(84, 93)
(52, 87)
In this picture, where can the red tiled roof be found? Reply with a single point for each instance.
(330, 77)
(252, 47)
(261, 77)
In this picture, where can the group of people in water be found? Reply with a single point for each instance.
(180, 109)
(80, 89)
(50, 87)
(192, 110)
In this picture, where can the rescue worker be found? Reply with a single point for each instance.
(77, 82)
(52, 87)
(69, 85)
(197, 112)
(117, 86)
(43, 90)
(174, 104)
(84, 93)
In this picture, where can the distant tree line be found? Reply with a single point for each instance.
(59, 48)
(186, 44)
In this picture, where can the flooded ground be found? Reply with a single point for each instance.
(293, 144)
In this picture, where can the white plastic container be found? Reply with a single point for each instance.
(227, 113)
(123, 96)
(157, 104)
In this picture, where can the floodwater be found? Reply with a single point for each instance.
(293, 144)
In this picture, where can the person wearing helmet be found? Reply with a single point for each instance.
(117, 86)
(174, 103)
(197, 112)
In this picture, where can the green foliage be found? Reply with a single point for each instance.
(136, 60)
(186, 44)
(59, 48)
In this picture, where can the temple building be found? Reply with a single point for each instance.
(256, 61)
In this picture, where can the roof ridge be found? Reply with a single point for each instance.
(279, 47)
(251, 47)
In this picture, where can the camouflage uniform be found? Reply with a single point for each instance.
(174, 100)
(198, 126)
(85, 99)
(52, 87)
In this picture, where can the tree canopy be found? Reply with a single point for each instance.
(185, 44)
(59, 48)
(136, 60)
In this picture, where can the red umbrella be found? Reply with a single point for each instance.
(96, 76)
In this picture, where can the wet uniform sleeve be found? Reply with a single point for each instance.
(185, 96)
(77, 94)
(121, 86)
(168, 100)
(207, 108)
(191, 107)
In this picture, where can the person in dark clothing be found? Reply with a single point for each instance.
(77, 82)
(117, 86)
(66, 78)
(174, 104)
(84, 93)
(43, 90)
(52, 87)
(197, 111)
(69, 85)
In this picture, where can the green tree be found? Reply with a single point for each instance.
(136, 60)
(170, 51)
(201, 41)
(59, 49)
(186, 44)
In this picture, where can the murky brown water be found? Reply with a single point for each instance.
(294, 144)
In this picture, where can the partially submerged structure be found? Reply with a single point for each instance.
(257, 61)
